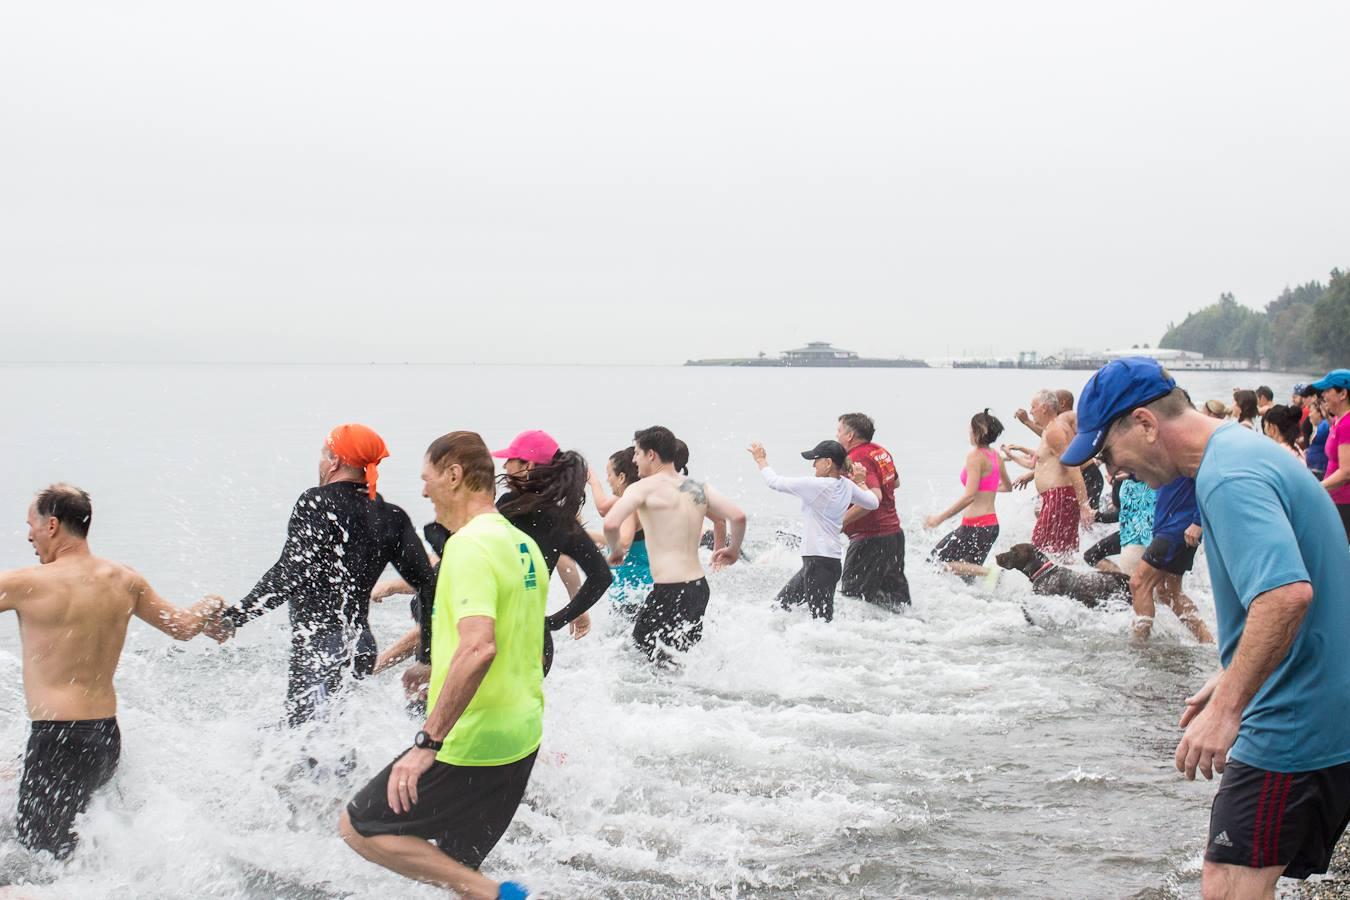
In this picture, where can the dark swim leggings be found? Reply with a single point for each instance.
(1108, 546)
(813, 585)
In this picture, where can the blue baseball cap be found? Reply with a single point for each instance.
(1118, 387)
(1336, 378)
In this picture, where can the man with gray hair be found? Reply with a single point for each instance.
(1064, 500)
(1277, 562)
(73, 611)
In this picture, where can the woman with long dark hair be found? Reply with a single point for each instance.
(1244, 408)
(1281, 424)
(984, 477)
(632, 579)
(545, 488)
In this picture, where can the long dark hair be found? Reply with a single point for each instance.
(1286, 422)
(1245, 401)
(681, 459)
(621, 461)
(985, 427)
(558, 484)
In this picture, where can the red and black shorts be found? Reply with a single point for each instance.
(1290, 819)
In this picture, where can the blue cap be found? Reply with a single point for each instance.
(511, 890)
(1116, 388)
(1300, 388)
(1336, 378)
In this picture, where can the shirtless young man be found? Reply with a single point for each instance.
(73, 611)
(1064, 498)
(671, 508)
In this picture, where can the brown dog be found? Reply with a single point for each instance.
(1089, 588)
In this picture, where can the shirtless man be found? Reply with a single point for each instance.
(73, 611)
(1064, 498)
(671, 508)
(1092, 472)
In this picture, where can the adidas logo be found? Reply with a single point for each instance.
(1222, 840)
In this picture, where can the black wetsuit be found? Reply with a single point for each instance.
(338, 542)
(557, 535)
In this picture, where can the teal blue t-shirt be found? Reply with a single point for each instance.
(1268, 522)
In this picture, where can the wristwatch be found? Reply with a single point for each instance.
(426, 742)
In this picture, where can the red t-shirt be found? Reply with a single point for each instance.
(880, 474)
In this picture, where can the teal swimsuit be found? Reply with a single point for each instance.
(633, 579)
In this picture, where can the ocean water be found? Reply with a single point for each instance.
(954, 750)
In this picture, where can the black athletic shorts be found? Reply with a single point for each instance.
(968, 543)
(874, 569)
(464, 809)
(1170, 553)
(1291, 819)
(672, 615)
(1344, 510)
(64, 764)
(813, 585)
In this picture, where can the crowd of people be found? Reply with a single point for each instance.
(1263, 486)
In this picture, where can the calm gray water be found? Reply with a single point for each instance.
(953, 751)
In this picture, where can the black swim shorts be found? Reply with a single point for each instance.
(1291, 819)
(64, 764)
(465, 810)
(672, 615)
(1170, 553)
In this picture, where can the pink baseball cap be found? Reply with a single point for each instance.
(532, 446)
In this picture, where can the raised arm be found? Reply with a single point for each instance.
(603, 501)
(179, 624)
(861, 476)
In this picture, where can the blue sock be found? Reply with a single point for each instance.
(510, 890)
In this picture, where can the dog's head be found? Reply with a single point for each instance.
(1022, 558)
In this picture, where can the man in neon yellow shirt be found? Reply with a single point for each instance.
(461, 782)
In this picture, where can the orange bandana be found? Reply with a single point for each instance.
(361, 448)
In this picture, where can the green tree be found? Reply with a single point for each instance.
(1328, 326)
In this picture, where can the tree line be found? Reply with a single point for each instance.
(1306, 327)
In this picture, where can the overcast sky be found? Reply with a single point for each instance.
(622, 182)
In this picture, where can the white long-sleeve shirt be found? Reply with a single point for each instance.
(824, 502)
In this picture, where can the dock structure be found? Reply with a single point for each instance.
(816, 354)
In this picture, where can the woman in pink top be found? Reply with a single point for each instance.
(1335, 390)
(965, 549)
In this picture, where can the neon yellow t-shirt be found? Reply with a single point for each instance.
(491, 568)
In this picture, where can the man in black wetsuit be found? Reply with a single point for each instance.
(341, 536)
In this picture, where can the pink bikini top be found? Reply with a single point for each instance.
(989, 482)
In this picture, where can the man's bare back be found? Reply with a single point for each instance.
(73, 615)
(73, 612)
(671, 508)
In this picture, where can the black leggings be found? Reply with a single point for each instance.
(1109, 546)
(813, 585)
(1344, 510)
